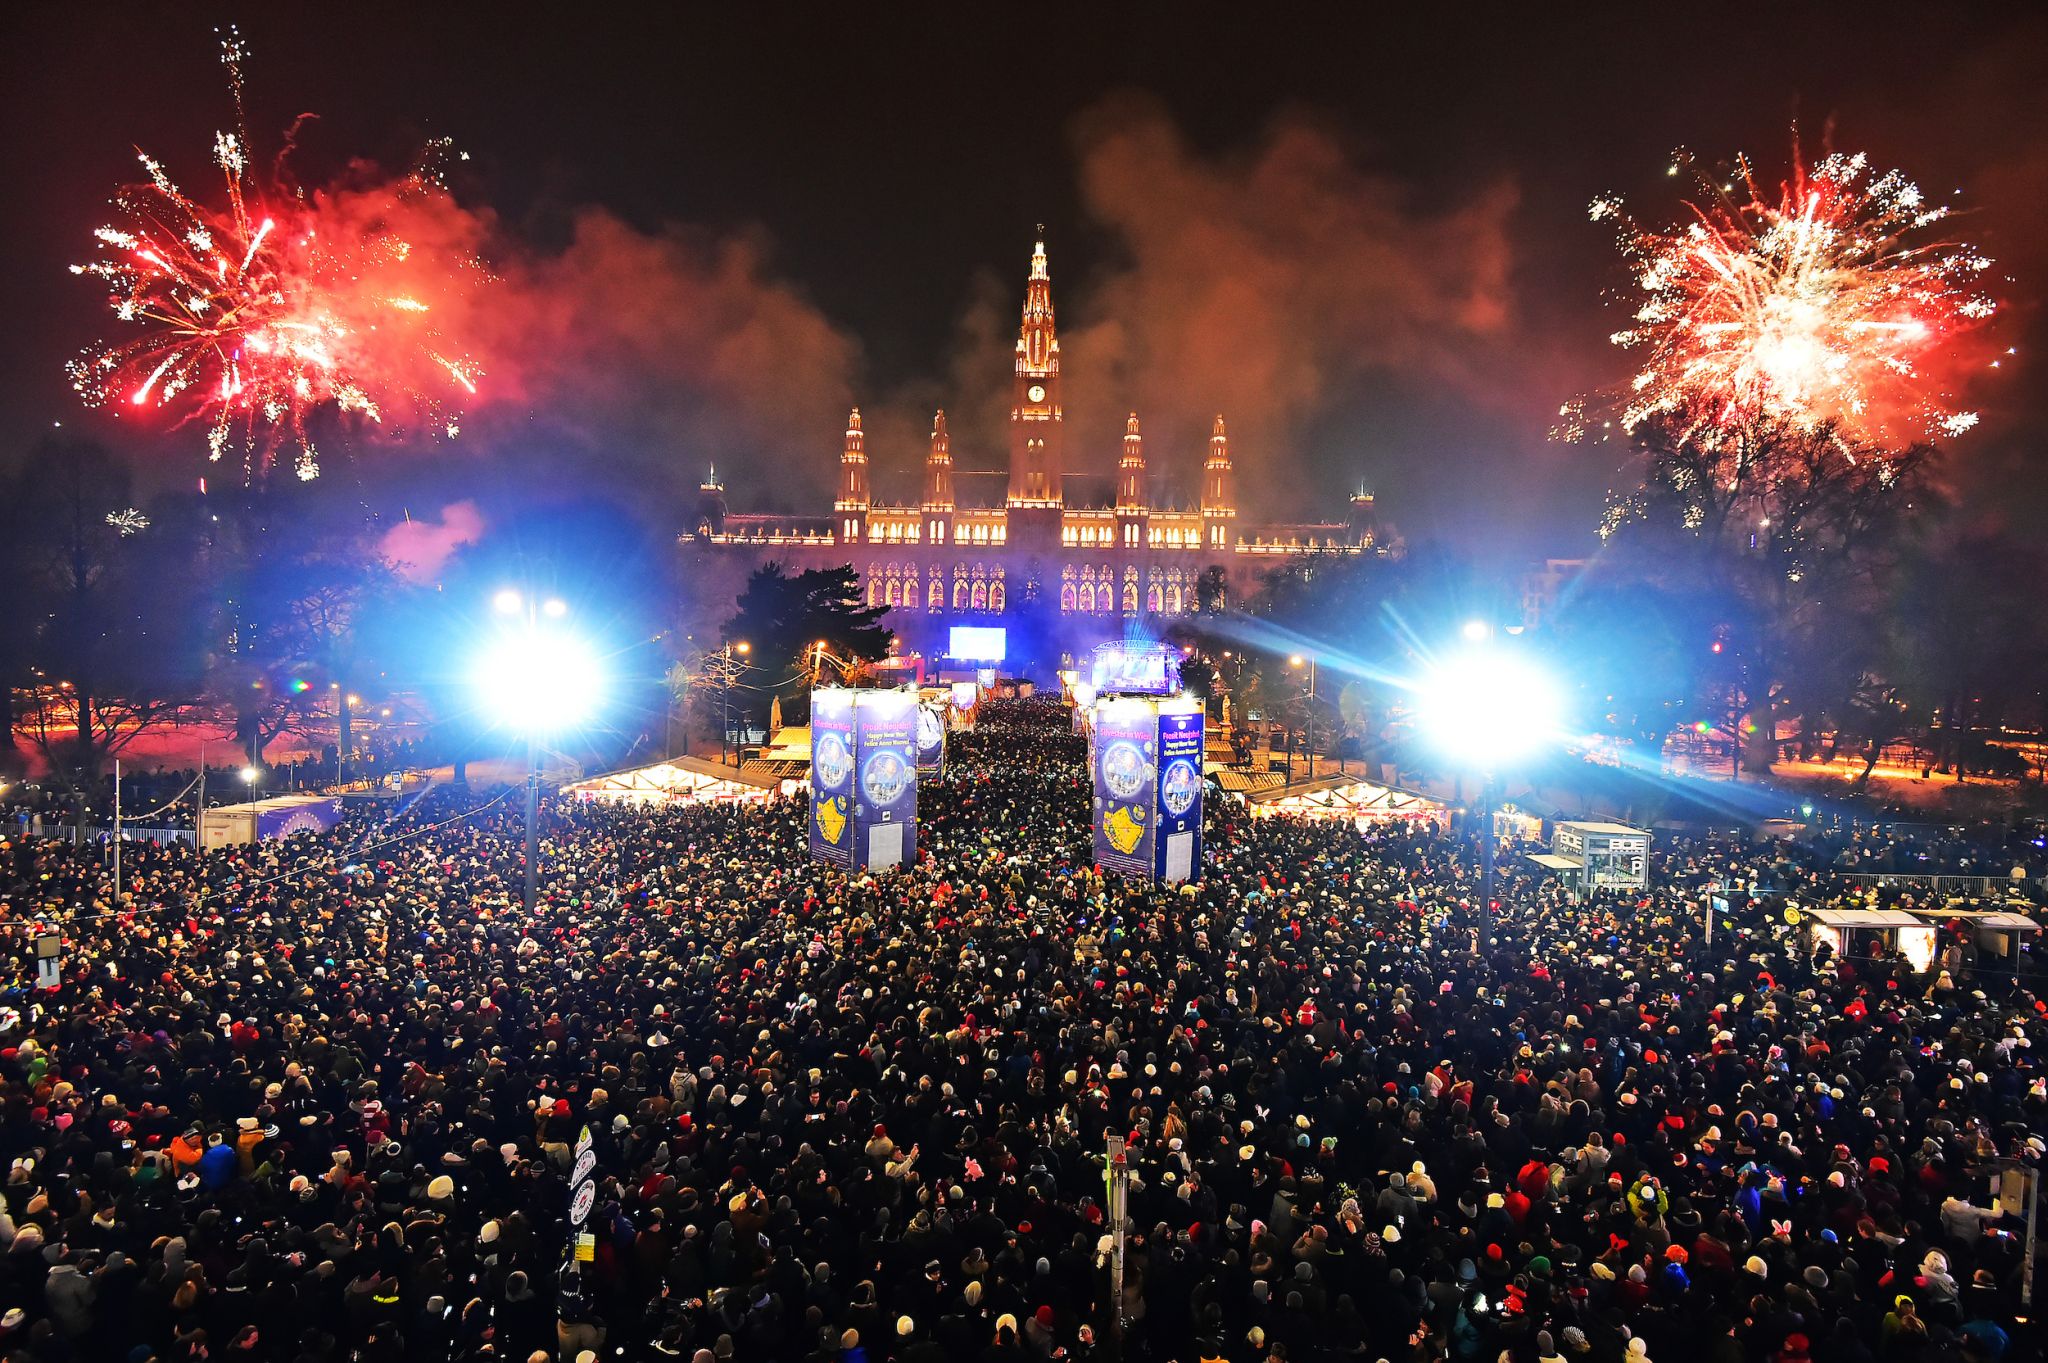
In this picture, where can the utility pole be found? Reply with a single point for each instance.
(117, 834)
(1312, 717)
(1486, 854)
(199, 810)
(532, 824)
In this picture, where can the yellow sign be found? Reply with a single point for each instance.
(832, 818)
(586, 1248)
(1792, 915)
(1124, 828)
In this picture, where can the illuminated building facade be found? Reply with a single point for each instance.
(1074, 575)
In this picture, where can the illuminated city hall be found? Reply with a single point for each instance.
(1079, 574)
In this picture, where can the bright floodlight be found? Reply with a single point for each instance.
(555, 607)
(250, 774)
(539, 683)
(1483, 707)
(508, 601)
(1476, 631)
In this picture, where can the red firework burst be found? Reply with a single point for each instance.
(257, 313)
(1834, 301)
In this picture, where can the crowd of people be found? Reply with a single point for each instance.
(319, 1099)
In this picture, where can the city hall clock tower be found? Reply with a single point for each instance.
(1037, 421)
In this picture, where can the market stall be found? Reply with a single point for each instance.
(681, 780)
(1997, 935)
(1343, 797)
(1870, 932)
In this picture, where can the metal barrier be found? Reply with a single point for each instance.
(104, 833)
(1978, 886)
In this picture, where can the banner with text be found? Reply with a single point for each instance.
(832, 831)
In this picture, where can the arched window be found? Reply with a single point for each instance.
(1087, 603)
(1130, 598)
(959, 593)
(995, 597)
(1069, 603)
(981, 596)
(1173, 598)
(1153, 599)
(935, 596)
(874, 591)
(894, 595)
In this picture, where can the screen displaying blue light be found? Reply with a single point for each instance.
(977, 643)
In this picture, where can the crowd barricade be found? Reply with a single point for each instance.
(1941, 883)
(102, 833)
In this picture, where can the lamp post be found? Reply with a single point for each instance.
(727, 673)
(536, 679)
(1299, 660)
(1486, 709)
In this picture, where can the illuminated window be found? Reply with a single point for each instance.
(894, 596)
(995, 597)
(959, 593)
(1153, 598)
(1130, 598)
(981, 596)
(1069, 603)
(874, 591)
(935, 595)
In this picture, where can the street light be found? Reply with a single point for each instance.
(726, 675)
(536, 681)
(1297, 661)
(1483, 708)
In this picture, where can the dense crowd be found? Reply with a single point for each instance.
(319, 1099)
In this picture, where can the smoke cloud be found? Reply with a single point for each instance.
(1264, 284)
(666, 352)
(419, 548)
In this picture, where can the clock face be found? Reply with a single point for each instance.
(1036, 392)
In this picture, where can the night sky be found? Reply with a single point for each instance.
(1361, 234)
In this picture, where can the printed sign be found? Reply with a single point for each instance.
(832, 777)
(1123, 761)
(1180, 792)
(885, 754)
(931, 738)
(580, 1202)
(585, 1162)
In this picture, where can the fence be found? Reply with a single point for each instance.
(103, 833)
(1969, 886)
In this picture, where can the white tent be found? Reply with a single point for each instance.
(684, 780)
(1343, 797)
